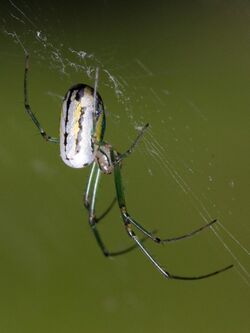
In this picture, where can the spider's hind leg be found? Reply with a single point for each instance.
(27, 106)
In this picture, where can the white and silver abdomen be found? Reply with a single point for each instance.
(77, 126)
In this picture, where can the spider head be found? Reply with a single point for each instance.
(103, 158)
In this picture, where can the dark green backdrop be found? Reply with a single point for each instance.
(184, 68)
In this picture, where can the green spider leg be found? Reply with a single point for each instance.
(172, 239)
(27, 106)
(117, 160)
(89, 185)
(87, 194)
(129, 221)
(131, 149)
(95, 166)
(89, 202)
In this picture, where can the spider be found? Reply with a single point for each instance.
(81, 141)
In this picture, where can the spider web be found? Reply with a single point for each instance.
(22, 26)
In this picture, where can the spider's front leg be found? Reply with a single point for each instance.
(89, 203)
(27, 106)
(87, 194)
(117, 160)
(129, 221)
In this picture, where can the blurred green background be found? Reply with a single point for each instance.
(184, 68)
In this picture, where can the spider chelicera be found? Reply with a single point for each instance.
(81, 144)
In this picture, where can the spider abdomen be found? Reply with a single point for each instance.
(79, 120)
